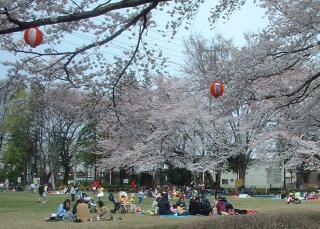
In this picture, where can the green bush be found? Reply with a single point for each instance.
(2, 175)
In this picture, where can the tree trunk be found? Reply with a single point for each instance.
(218, 178)
(242, 168)
(47, 177)
(25, 175)
(121, 177)
(242, 173)
(211, 181)
(67, 170)
(1, 140)
(160, 177)
(186, 177)
(132, 174)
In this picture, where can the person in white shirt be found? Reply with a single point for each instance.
(100, 193)
(73, 193)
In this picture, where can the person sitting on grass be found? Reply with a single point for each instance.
(63, 212)
(123, 198)
(154, 207)
(181, 203)
(194, 206)
(176, 210)
(131, 199)
(205, 206)
(221, 206)
(103, 213)
(74, 208)
(164, 205)
(292, 199)
(83, 213)
(126, 201)
(227, 203)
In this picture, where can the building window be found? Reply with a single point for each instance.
(224, 181)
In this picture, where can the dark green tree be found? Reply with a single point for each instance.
(18, 139)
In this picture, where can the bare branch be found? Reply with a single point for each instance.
(78, 6)
(143, 13)
(130, 61)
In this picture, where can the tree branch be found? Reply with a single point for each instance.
(281, 71)
(134, 20)
(144, 26)
(280, 54)
(22, 25)
(130, 61)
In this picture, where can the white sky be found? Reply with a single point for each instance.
(249, 18)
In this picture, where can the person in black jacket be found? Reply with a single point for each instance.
(164, 205)
(194, 206)
(41, 194)
(205, 206)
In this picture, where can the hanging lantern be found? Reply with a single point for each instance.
(33, 37)
(216, 89)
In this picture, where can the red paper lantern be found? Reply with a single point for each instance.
(216, 89)
(33, 37)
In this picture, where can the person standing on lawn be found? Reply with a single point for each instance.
(42, 194)
(73, 193)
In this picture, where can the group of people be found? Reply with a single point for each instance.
(198, 205)
(224, 207)
(125, 202)
(80, 212)
(296, 197)
(292, 199)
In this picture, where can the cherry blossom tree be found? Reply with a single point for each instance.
(289, 41)
(105, 20)
(178, 130)
(280, 65)
(268, 80)
(239, 117)
(64, 123)
(3, 111)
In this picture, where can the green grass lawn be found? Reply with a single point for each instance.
(21, 210)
